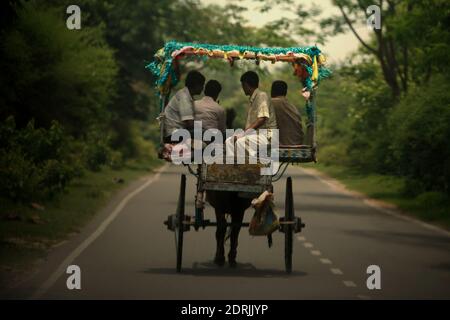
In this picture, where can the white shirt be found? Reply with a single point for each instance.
(180, 108)
(210, 113)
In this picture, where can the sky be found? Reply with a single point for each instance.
(335, 49)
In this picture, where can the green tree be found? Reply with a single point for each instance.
(412, 32)
(51, 73)
(419, 128)
(411, 45)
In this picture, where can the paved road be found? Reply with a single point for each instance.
(126, 252)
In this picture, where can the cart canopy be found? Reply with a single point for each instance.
(308, 62)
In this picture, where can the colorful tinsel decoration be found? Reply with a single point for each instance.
(308, 62)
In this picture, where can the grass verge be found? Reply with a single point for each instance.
(429, 206)
(27, 231)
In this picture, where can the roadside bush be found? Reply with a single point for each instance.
(116, 160)
(34, 163)
(55, 175)
(368, 116)
(437, 205)
(432, 198)
(140, 138)
(333, 154)
(97, 151)
(419, 129)
(19, 177)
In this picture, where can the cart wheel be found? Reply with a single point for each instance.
(288, 228)
(179, 229)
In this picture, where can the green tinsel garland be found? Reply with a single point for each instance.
(162, 68)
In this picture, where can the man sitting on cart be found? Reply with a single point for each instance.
(209, 111)
(179, 112)
(291, 132)
(260, 115)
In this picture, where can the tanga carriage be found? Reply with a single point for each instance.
(244, 179)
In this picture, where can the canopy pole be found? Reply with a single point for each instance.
(311, 122)
(164, 102)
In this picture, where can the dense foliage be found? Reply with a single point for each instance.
(76, 100)
(361, 127)
(392, 104)
(86, 92)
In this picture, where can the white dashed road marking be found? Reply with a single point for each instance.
(336, 271)
(349, 284)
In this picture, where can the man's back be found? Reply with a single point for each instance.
(210, 113)
(289, 122)
(260, 106)
(179, 109)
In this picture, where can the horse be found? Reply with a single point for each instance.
(227, 202)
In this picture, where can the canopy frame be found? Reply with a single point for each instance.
(308, 63)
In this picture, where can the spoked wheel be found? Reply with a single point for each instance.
(288, 227)
(179, 227)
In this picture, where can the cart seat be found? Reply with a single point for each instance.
(299, 153)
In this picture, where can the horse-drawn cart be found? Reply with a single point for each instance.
(243, 178)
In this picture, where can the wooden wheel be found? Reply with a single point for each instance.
(179, 229)
(288, 227)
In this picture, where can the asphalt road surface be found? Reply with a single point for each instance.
(127, 253)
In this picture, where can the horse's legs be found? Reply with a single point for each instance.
(236, 221)
(220, 237)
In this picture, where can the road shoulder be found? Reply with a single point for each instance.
(380, 205)
(24, 285)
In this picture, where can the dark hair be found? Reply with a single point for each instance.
(213, 88)
(251, 78)
(194, 79)
(279, 88)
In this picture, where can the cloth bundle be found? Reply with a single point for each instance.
(265, 220)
